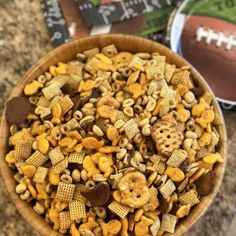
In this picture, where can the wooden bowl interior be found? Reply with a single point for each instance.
(67, 52)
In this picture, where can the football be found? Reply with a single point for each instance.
(209, 44)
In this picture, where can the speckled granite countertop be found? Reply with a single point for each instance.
(23, 40)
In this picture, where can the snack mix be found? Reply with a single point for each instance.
(113, 143)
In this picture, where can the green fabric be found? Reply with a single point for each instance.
(156, 21)
(222, 9)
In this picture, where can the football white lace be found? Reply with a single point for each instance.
(219, 38)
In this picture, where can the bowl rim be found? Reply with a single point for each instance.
(24, 208)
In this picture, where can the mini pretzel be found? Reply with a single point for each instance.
(133, 189)
(166, 137)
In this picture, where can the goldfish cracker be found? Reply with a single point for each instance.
(125, 226)
(206, 118)
(41, 189)
(90, 166)
(142, 227)
(199, 108)
(105, 165)
(111, 228)
(73, 230)
(92, 143)
(32, 88)
(212, 158)
(43, 144)
(183, 113)
(90, 224)
(56, 113)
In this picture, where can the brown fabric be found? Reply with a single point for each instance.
(73, 18)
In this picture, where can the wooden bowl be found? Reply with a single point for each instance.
(67, 52)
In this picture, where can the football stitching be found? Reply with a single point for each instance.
(218, 37)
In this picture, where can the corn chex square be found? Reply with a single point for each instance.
(154, 73)
(23, 149)
(119, 209)
(176, 158)
(131, 128)
(183, 184)
(168, 93)
(77, 193)
(169, 71)
(59, 80)
(191, 155)
(159, 167)
(56, 155)
(40, 175)
(91, 65)
(36, 159)
(19, 164)
(66, 104)
(155, 158)
(61, 166)
(182, 77)
(73, 124)
(18, 177)
(157, 86)
(51, 91)
(75, 68)
(43, 102)
(121, 116)
(104, 74)
(64, 220)
(189, 197)
(168, 223)
(65, 192)
(164, 107)
(75, 157)
(137, 63)
(74, 81)
(167, 189)
(77, 210)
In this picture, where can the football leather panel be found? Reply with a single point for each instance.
(215, 62)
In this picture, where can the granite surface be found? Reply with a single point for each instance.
(24, 39)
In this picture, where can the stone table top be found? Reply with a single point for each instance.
(23, 40)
